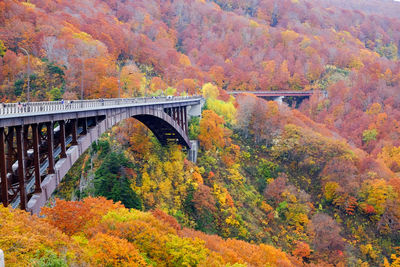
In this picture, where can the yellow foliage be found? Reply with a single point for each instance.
(367, 54)
(395, 261)
(253, 24)
(210, 91)
(83, 36)
(331, 189)
(368, 250)
(23, 237)
(374, 109)
(184, 60)
(391, 157)
(355, 63)
(305, 42)
(289, 36)
(235, 176)
(225, 109)
(310, 51)
(375, 193)
(220, 194)
(29, 5)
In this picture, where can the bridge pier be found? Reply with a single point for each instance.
(3, 172)
(1, 259)
(63, 154)
(36, 158)
(279, 99)
(74, 132)
(192, 152)
(50, 145)
(21, 167)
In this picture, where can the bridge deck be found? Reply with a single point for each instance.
(47, 107)
(12, 113)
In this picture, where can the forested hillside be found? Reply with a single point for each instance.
(273, 185)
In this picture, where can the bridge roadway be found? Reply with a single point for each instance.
(40, 141)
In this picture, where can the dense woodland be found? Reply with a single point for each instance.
(273, 185)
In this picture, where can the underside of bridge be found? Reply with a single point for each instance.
(36, 155)
(162, 130)
(291, 101)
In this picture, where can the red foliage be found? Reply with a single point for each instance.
(368, 209)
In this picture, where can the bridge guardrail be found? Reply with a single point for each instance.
(47, 106)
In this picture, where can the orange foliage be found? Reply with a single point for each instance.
(22, 237)
(302, 250)
(236, 251)
(212, 135)
(72, 216)
(106, 250)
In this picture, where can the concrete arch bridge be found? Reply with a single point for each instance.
(40, 141)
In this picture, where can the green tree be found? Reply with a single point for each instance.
(48, 259)
(111, 181)
(55, 94)
(194, 127)
(370, 135)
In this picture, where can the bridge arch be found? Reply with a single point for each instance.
(46, 156)
(165, 129)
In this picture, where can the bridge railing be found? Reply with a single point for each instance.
(47, 106)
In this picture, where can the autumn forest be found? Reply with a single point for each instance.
(275, 184)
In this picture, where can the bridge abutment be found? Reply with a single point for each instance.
(2, 259)
(193, 151)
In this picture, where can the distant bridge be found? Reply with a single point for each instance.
(292, 98)
(274, 93)
(40, 141)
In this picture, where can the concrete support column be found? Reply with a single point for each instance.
(36, 158)
(84, 126)
(62, 140)
(3, 172)
(74, 132)
(26, 140)
(185, 119)
(10, 149)
(21, 167)
(179, 116)
(50, 146)
(279, 99)
(182, 119)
